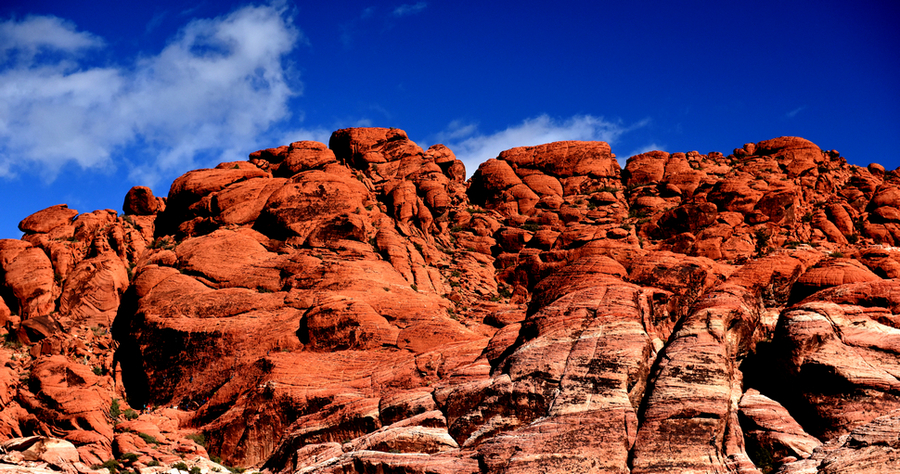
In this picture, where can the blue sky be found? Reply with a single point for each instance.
(96, 97)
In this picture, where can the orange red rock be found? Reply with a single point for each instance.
(360, 307)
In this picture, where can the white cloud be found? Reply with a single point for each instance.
(409, 9)
(37, 34)
(474, 148)
(217, 85)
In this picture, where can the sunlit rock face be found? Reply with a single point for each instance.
(358, 306)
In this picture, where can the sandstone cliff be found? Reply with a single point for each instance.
(361, 307)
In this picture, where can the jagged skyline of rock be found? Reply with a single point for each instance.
(359, 306)
(102, 97)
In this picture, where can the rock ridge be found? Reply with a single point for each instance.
(361, 307)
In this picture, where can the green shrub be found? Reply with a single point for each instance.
(148, 438)
(639, 213)
(128, 457)
(153, 463)
(198, 438)
(531, 226)
(111, 465)
(130, 414)
(181, 466)
(114, 409)
(195, 470)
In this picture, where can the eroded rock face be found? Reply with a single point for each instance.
(359, 307)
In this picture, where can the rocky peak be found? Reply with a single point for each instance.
(360, 307)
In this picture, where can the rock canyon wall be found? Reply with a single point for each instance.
(360, 307)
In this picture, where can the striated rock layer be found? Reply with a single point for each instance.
(360, 307)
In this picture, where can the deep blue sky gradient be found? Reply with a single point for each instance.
(677, 76)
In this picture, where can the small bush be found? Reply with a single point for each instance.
(195, 470)
(128, 457)
(639, 213)
(130, 414)
(414, 287)
(111, 465)
(181, 466)
(11, 341)
(853, 238)
(148, 438)
(198, 438)
(531, 226)
(114, 409)
(152, 463)
(836, 254)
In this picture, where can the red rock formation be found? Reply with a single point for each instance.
(359, 307)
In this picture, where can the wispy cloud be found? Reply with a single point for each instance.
(473, 148)
(218, 84)
(350, 29)
(156, 21)
(22, 41)
(409, 9)
(793, 113)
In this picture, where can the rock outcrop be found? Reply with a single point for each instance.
(360, 307)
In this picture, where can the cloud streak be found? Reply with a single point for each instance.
(217, 85)
(409, 9)
(474, 148)
(793, 113)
